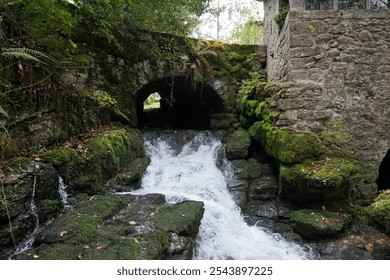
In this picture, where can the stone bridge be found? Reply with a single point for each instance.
(189, 95)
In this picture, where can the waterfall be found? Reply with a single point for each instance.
(64, 196)
(30, 238)
(196, 171)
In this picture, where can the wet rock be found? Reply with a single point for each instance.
(182, 218)
(247, 169)
(317, 181)
(86, 169)
(180, 247)
(267, 210)
(264, 188)
(314, 224)
(237, 144)
(379, 212)
(110, 227)
(361, 243)
(129, 180)
(223, 121)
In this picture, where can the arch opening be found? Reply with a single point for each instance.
(183, 104)
(383, 180)
(152, 102)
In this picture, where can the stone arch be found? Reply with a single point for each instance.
(183, 104)
(383, 180)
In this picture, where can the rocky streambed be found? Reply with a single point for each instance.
(99, 223)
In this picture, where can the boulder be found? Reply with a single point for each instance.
(113, 227)
(314, 224)
(330, 179)
(237, 144)
(379, 211)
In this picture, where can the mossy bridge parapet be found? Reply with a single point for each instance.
(193, 78)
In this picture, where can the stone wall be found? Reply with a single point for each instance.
(334, 67)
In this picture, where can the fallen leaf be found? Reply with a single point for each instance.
(80, 255)
(101, 247)
(86, 247)
(369, 247)
(132, 223)
(323, 208)
(63, 232)
(36, 257)
(93, 197)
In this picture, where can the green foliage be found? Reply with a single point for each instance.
(170, 16)
(249, 32)
(103, 98)
(248, 86)
(281, 16)
(16, 165)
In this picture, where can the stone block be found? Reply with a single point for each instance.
(304, 40)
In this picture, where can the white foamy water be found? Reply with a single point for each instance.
(192, 174)
(64, 196)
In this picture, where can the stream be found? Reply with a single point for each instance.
(193, 166)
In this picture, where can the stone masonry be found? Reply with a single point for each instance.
(334, 66)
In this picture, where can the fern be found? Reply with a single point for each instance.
(25, 54)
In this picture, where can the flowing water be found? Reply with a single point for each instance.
(197, 170)
(30, 238)
(38, 228)
(64, 196)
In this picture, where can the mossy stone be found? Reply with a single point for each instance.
(321, 180)
(314, 224)
(156, 245)
(379, 211)
(286, 145)
(127, 249)
(237, 144)
(182, 218)
(105, 155)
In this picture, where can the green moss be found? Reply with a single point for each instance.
(281, 16)
(182, 218)
(102, 206)
(316, 224)
(328, 172)
(61, 156)
(285, 145)
(82, 229)
(329, 179)
(157, 243)
(127, 249)
(97, 160)
(248, 107)
(379, 211)
(16, 165)
(60, 252)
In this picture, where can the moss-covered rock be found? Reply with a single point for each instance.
(379, 211)
(237, 144)
(130, 179)
(314, 224)
(113, 227)
(286, 145)
(182, 218)
(317, 181)
(223, 121)
(88, 167)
